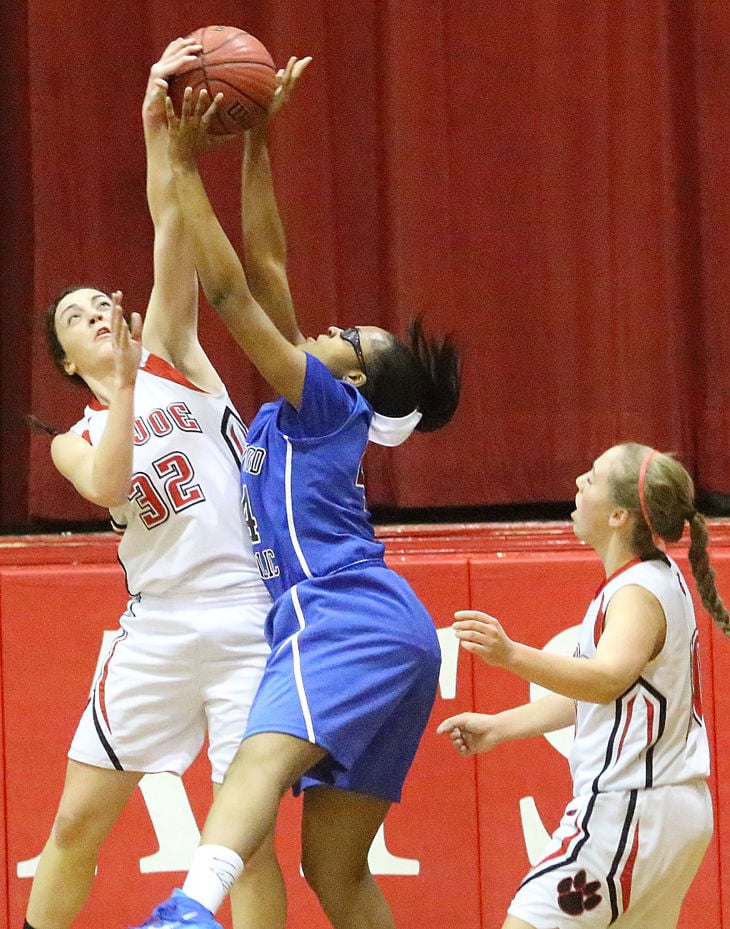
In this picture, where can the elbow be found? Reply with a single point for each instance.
(217, 298)
(221, 297)
(608, 689)
(111, 493)
(225, 295)
(109, 500)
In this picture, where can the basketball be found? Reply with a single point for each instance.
(236, 64)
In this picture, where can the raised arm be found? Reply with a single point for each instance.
(263, 233)
(103, 473)
(219, 267)
(633, 634)
(171, 322)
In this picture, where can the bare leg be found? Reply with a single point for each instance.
(258, 898)
(338, 828)
(90, 805)
(245, 807)
(513, 923)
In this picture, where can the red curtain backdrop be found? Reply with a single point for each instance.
(547, 180)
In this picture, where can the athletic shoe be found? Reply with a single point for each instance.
(180, 912)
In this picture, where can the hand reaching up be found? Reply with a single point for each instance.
(287, 79)
(178, 53)
(126, 342)
(188, 133)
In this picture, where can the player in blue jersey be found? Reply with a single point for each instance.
(352, 676)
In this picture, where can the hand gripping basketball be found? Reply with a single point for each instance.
(233, 63)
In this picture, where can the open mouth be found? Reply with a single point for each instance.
(102, 330)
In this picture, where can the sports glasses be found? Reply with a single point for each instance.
(352, 335)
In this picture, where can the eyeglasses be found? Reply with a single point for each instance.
(352, 335)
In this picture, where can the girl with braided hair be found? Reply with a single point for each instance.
(640, 819)
(660, 487)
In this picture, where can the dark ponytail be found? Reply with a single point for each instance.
(422, 374)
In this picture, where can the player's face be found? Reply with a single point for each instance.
(346, 351)
(83, 326)
(593, 503)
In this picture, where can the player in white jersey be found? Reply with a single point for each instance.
(160, 446)
(640, 819)
(188, 447)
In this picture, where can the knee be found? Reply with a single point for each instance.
(75, 827)
(330, 881)
(270, 759)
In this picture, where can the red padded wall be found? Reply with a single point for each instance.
(454, 849)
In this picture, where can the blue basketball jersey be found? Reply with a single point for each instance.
(303, 494)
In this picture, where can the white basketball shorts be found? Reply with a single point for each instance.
(623, 859)
(176, 672)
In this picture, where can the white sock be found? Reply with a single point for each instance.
(214, 869)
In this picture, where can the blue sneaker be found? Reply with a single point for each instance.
(180, 912)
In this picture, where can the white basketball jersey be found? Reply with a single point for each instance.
(183, 528)
(654, 734)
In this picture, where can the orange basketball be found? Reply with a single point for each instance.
(236, 64)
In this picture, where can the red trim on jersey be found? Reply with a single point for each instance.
(562, 850)
(628, 872)
(629, 564)
(649, 722)
(567, 841)
(86, 435)
(101, 689)
(161, 368)
(696, 678)
(627, 725)
(599, 624)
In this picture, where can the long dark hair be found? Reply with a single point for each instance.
(423, 373)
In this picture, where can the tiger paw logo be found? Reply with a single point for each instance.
(578, 894)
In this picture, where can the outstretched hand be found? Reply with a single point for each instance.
(470, 733)
(483, 636)
(178, 53)
(188, 133)
(126, 342)
(286, 81)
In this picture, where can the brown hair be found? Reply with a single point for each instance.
(668, 502)
(57, 353)
(55, 348)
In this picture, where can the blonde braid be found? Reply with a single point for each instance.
(704, 573)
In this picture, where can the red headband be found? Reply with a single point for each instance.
(642, 497)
